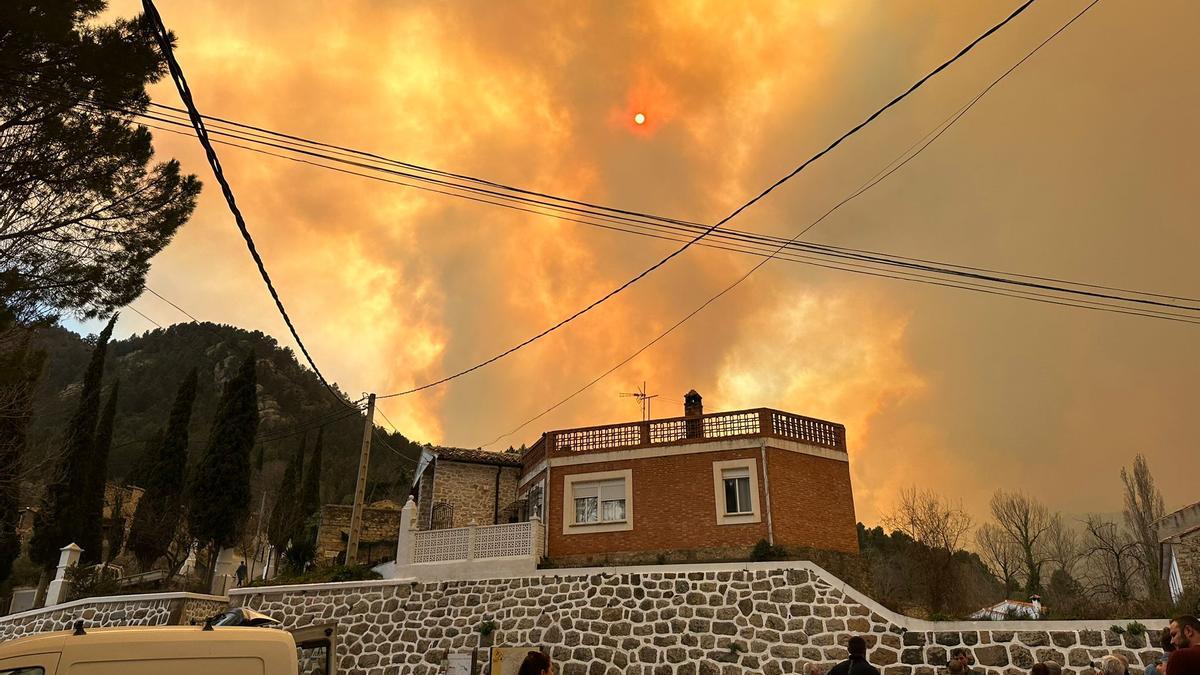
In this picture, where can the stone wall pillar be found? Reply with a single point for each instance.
(407, 539)
(68, 555)
(535, 537)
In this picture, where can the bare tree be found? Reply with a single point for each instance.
(939, 527)
(1115, 558)
(1062, 547)
(1143, 506)
(1026, 521)
(923, 516)
(1000, 554)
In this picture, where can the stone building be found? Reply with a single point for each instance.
(457, 487)
(377, 542)
(1179, 539)
(693, 488)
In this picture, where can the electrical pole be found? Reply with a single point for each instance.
(360, 487)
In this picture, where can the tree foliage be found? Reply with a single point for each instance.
(219, 495)
(20, 368)
(61, 517)
(286, 516)
(158, 511)
(938, 528)
(1143, 506)
(82, 207)
(310, 493)
(91, 531)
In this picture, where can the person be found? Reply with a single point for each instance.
(857, 663)
(1185, 635)
(1053, 667)
(1157, 666)
(1110, 665)
(536, 663)
(1185, 631)
(963, 656)
(1039, 669)
(241, 574)
(955, 667)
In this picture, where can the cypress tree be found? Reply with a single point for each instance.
(310, 495)
(219, 498)
(165, 465)
(285, 515)
(57, 523)
(20, 368)
(91, 528)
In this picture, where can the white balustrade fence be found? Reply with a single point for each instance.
(512, 540)
(474, 552)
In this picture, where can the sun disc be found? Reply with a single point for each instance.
(639, 118)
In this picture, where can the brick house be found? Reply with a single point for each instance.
(457, 487)
(693, 488)
(1179, 540)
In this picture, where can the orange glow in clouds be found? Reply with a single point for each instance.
(650, 104)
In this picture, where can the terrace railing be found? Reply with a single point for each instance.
(735, 424)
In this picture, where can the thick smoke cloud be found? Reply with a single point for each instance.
(1080, 165)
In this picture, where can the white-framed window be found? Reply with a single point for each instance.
(735, 491)
(598, 502)
(534, 503)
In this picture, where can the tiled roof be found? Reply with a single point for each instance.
(478, 456)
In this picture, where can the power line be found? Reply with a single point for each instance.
(755, 268)
(732, 215)
(139, 313)
(164, 41)
(755, 244)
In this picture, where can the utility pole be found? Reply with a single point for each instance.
(360, 487)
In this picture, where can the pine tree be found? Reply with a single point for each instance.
(57, 523)
(285, 515)
(310, 495)
(158, 511)
(91, 528)
(219, 497)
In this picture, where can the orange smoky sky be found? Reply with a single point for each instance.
(1081, 165)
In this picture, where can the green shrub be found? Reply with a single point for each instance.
(1135, 629)
(90, 582)
(764, 551)
(319, 575)
(1117, 629)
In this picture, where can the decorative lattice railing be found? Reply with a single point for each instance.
(758, 422)
(510, 540)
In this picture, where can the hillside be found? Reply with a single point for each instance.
(150, 366)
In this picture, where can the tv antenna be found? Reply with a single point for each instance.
(643, 400)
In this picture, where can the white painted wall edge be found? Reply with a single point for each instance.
(113, 599)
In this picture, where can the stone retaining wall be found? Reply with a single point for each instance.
(720, 619)
(151, 609)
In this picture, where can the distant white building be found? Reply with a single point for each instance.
(1011, 609)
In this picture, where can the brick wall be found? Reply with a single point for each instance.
(471, 489)
(674, 510)
(377, 542)
(812, 502)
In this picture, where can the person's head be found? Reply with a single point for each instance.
(1185, 631)
(1164, 641)
(956, 667)
(963, 656)
(1110, 665)
(535, 663)
(1039, 669)
(811, 668)
(1053, 667)
(857, 646)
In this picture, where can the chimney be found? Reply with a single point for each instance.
(693, 406)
